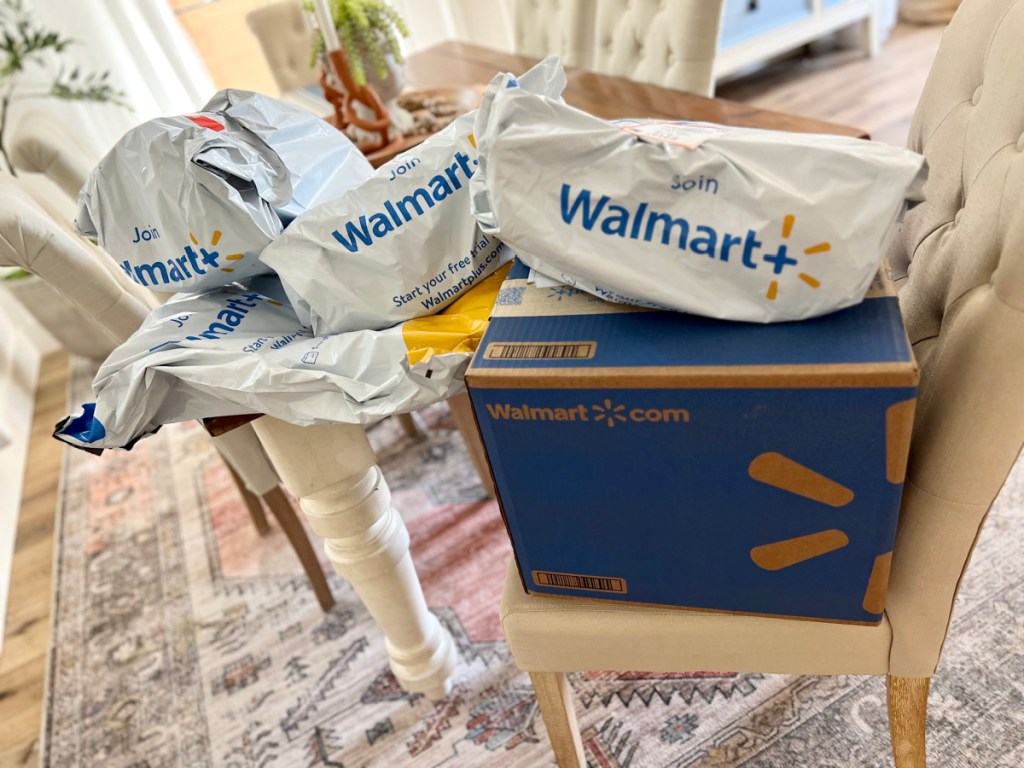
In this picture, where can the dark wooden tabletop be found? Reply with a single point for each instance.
(463, 64)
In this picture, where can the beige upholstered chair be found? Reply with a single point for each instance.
(671, 44)
(562, 27)
(963, 303)
(285, 37)
(32, 238)
(44, 145)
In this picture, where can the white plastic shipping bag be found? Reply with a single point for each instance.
(725, 222)
(186, 203)
(236, 350)
(403, 243)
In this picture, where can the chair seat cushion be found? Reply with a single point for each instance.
(555, 634)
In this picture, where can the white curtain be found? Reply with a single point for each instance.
(149, 56)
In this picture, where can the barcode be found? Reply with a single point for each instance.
(583, 350)
(576, 581)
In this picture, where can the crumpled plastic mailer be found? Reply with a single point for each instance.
(242, 350)
(186, 203)
(730, 223)
(403, 243)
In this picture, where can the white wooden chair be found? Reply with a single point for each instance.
(963, 302)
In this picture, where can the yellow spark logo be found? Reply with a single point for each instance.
(209, 257)
(781, 472)
(781, 259)
(609, 413)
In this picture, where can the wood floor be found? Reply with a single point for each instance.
(844, 86)
(840, 86)
(23, 659)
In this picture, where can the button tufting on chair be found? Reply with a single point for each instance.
(670, 44)
(562, 27)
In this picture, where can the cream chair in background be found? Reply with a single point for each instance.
(285, 37)
(562, 27)
(684, 44)
(963, 303)
(669, 44)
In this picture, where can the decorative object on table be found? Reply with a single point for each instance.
(357, 43)
(258, 675)
(26, 47)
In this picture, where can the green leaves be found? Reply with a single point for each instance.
(24, 42)
(92, 87)
(368, 30)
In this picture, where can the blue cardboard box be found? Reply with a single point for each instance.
(669, 459)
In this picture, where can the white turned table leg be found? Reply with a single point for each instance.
(333, 471)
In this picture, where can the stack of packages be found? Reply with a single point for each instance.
(312, 288)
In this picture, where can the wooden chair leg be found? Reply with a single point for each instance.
(412, 425)
(908, 705)
(554, 695)
(252, 503)
(289, 521)
(462, 415)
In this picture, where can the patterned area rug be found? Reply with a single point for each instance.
(182, 638)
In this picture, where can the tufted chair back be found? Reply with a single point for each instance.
(670, 43)
(665, 43)
(563, 27)
(959, 261)
(31, 238)
(285, 38)
(43, 144)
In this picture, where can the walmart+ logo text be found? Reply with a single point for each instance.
(640, 222)
(190, 264)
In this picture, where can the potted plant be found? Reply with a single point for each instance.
(25, 44)
(358, 41)
(368, 31)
